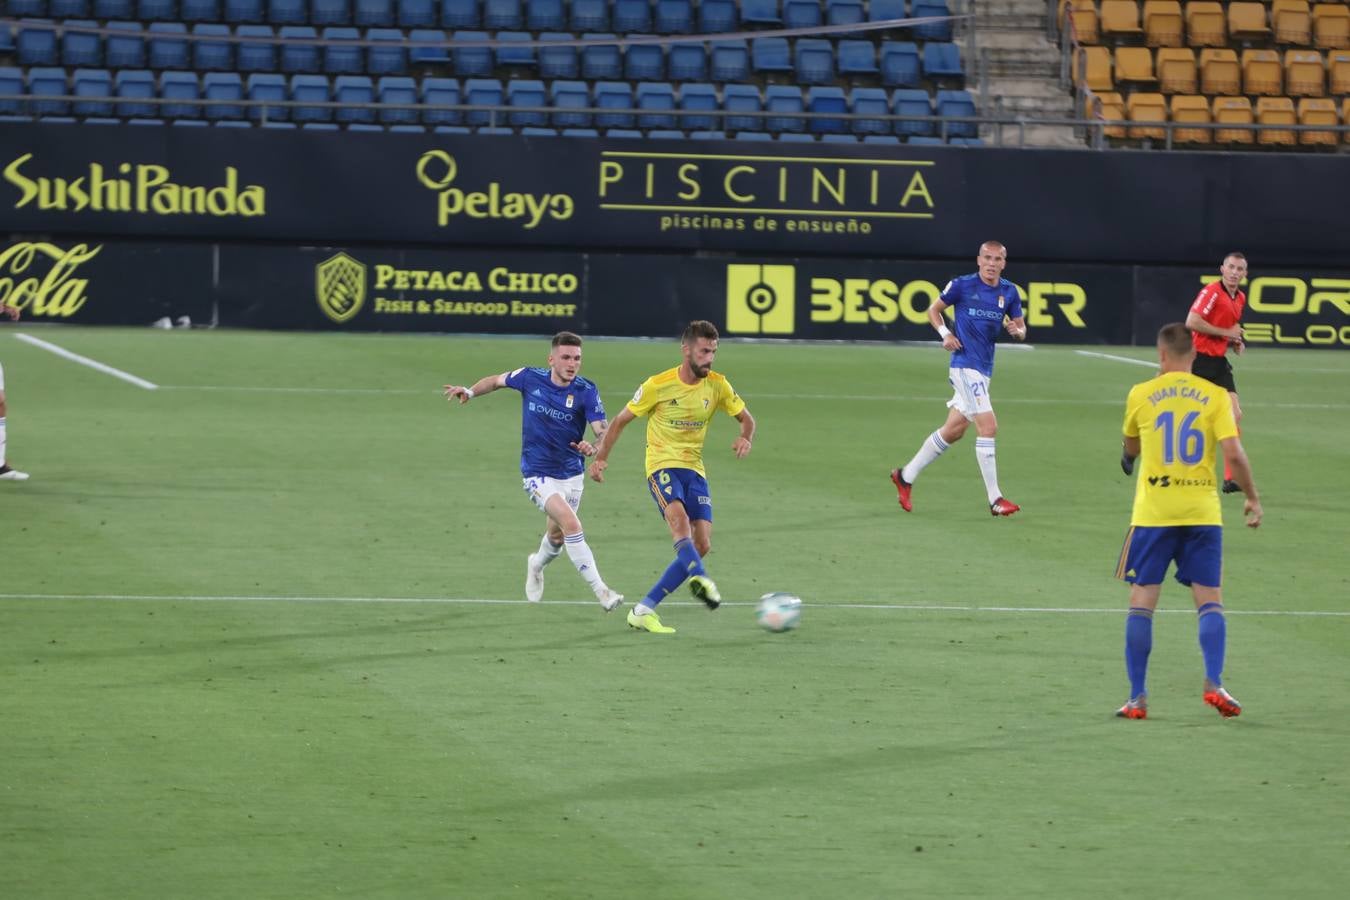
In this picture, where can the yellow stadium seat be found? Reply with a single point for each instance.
(1275, 111)
(1134, 65)
(1176, 70)
(1081, 16)
(1338, 66)
(1331, 26)
(1317, 111)
(1219, 71)
(1291, 22)
(1191, 108)
(1247, 22)
(1094, 69)
(1304, 73)
(1345, 118)
(1261, 72)
(1109, 106)
(1145, 107)
(1232, 111)
(1120, 20)
(1162, 23)
(1206, 25)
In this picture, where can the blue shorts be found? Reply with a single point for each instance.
(1197, 550)
(684, 485)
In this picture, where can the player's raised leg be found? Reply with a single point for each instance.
(550, 547)
(932, 447)
(574, 542)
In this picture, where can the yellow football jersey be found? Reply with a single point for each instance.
(1179, 419)
(678, 415)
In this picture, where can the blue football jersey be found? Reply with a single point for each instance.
(979, 309)
(551, 418)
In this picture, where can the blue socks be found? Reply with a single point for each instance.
(1138, 645)
(687, 562)
(1213, 640)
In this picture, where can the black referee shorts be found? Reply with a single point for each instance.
(1216, 369)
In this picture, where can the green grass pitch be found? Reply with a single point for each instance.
(262, 634)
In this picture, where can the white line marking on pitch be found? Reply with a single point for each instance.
(1124, 359)
(86, 361)
(482, 601)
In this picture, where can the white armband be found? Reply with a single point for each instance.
(944, 332)
(468, 393)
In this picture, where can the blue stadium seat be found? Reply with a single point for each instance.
(460, 14)
(545, 15)
(900, 64)
(781, 98)
(390, 60)
(417, 13)
(67, 9)
(48, 81)
(36, 47)
(699, 97)
(526, 92)
(942, 63)
(378, 13)
(11, 82)
(179, 86)
(311, 89)
(966, 142)
(615, 95)
(124, 52)
(644, 62)
(601, 62)
(515, 56)
(839, 138)
(752, 136)
(827, 99)
(843, 12)
(557, 62)
(627, 133)
(663, 134)
(632, 16)
(885, 10)
(912, 102)
(198, 10)
(471, 60)
(801, 13)
(451, 129)
(288, 12)
(761, 12)
(940, 31)
(717, 17)
(925, 140)
(137, 83)
(255, 56)
(570, 95)
(770, 55)
(155, 10)
(708, 135)
(29, 8)
(190, 123)
(742, 98)
(146, 122)
(327, 12)
(483, 92)
(797, 137)
(658, 96)
(405, 128)
(441, 92)
(212, 56)
(168, 46)
(729, 61)
(815, 61)
(880, 139)
(343, 57)
(267, 87)
(673, 17)
(857, 58)
(358, 92)
(397, 89)
(502, 14)
(304, 58)
(234, 123)
(957, 103)
(223, 86)
(81, 48)
(91, 83)
(363, 126)
(308, 126)
(590, 15)
(102, 120)
(286, 126)
(244, 12)
(535, 131)
(6, 38)
(687, 62)
(428, 56)
(870, 101)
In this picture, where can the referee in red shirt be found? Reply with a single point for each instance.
(1213, 321)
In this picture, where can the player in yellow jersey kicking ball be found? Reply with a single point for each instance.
(678, 404)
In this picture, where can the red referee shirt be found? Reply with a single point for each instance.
(1222, 310)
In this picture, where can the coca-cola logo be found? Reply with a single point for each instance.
(54, 293)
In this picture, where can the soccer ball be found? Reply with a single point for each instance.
(779, 612)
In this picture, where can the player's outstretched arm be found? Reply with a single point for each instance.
(485, 385)
(607, 442)
(1236, 458)
(741, 446)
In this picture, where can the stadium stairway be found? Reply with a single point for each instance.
(1020, 71)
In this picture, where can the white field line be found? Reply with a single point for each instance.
(86, 361)
(483, 601)
(1124, 359)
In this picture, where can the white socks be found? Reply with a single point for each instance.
(547, 552)
(984, 453)
(580, 554)
(2, 441)
(931, 449)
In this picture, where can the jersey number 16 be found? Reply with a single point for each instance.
(1185, 442)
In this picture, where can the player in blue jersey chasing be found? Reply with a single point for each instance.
(984, 303)
(556, 405)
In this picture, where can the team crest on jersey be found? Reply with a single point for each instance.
(1000, 301)
(568, 404)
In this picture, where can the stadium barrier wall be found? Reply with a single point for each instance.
(860, 200)
(515, 291)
